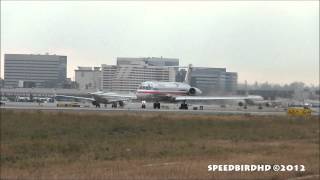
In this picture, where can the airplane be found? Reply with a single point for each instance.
(99, 97)
(179, 92)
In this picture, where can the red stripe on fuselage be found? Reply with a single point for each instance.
(161, 92)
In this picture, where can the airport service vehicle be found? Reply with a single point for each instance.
(298, 111)
(156, 92)
(99, 98)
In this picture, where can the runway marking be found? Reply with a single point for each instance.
(162, 164)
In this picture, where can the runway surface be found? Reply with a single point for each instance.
(165, 108)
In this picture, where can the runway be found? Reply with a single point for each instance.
(165, 108)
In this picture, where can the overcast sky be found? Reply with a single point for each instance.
(274, 41)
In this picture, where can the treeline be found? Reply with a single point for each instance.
(294, 86)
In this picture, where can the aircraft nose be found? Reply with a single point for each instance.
(137, 93)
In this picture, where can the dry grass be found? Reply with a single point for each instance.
(50, 145)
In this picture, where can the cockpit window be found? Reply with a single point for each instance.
(148, 87)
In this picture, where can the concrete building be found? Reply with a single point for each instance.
(231, 84)
(214, 81)
(88, 78)
(149, 61)
(1, 83)
(30, 70)
(127, 75)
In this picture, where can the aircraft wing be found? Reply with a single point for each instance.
(120, 96)
(100, 97)
(116, 99)
(212, 98)
(74, 97)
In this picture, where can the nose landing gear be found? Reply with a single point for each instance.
(95, 103)
(143, 104)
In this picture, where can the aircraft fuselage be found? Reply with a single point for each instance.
(162, 91)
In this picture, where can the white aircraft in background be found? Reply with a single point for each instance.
(156, 92)
(100, 98)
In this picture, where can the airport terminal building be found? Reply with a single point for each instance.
(31, 70)
(129, 73)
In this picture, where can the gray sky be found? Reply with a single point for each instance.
(274, 41)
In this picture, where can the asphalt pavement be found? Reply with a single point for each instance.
(136, 107)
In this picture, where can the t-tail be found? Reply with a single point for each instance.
(187, 78)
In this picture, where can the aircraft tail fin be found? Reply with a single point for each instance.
(187, 78)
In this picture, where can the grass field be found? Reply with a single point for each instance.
(52, 145)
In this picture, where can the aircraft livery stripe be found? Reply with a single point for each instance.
(162, 92)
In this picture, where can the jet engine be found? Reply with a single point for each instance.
(121, 104)
(95, 103)
(194, 91)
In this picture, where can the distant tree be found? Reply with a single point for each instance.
(266, 86)
(256, 85)
(277, 87)
(70, 85)
(297, 86)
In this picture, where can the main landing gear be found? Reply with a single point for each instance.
(184, 105)
(121, 104)
(156, 105)
(114, 105)
(95, 103)
(244, 105)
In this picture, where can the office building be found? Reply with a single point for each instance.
(88, 78)
(31, 70)
(231, 84)
(214, 81)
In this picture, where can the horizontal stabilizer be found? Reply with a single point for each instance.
(212, 98)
